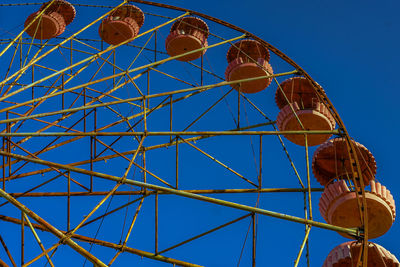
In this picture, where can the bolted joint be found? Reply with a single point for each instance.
(299, 72)
(341, 132)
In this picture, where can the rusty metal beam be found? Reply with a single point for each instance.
(108, 244)
(199, 88)
(166, 133)
(195, 191)
(63, 238)
(351, 231)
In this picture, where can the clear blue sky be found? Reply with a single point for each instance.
(351, 49)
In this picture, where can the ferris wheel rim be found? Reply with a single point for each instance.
(321, 93)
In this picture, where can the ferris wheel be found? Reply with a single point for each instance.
(146, 134)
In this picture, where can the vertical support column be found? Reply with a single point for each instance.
(20, 52)
(69, 203)
(114, 68)
(155, 45)
(91, 162)
(91, 155)
(201, 70)
(156, 225)
(308, 177)
(170, 117)
(33, 87)
(144, 168)
(102, 42)
(238, 111)
(253, 219)
(144, 115)
(308, 254)
(4, 165)
(70, 55)
(63, 95)
(8, 145)
(71, 62)
(260, 165)
(84, 111)
(176, 161)
(309, 197)
(145, 104)
(22, 238)
(148, 87)
(94, 138)
(306, 227)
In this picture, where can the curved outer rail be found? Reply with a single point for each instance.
(356, 170)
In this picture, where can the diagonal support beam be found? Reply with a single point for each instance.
(352, 231)
(168, 133)
(219, 162)
(199, 88)
(33, 61)
(110, 245)
(52, 229)
(38, 240)
(98, 158)
(27, 26)
(88, 58)
(206, 233)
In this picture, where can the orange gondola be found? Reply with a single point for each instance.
(248, 59)
(331, 160)
(302, 110)
(121, 25)
(347, 254)
(339, 206)
(186, 35)
(52, 22)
